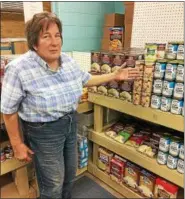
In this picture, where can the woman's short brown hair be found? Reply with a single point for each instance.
(37, 24)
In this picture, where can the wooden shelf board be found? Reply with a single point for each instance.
(10, 164)
(131, 154)
(84, 107)
(81, 171)
(123, 190)
(156, 116)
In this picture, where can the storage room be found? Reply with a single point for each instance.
(92, 99)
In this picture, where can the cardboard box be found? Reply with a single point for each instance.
(114, 19)
(106, 32)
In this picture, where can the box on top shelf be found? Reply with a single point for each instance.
(114, 19)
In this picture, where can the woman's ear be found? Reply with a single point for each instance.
(35, 48)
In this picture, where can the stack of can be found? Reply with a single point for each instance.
(168, 85)
(171, 152)
(82, 151)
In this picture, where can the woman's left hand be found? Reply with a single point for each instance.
(126, 73)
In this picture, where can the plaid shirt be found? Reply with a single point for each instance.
(39, 94)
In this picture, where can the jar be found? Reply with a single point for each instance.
(180, 51)
(156, 101)
(162, 157)
(164, 142)
(180, 166)
(171, 52)
(175, 146)
(181, 153)
(157, 86)
(180, 72)
(172, 162)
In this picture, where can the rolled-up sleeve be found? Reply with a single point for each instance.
(12, 92)
(85, 77)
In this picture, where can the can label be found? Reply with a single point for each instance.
(179, 91)
(174, 148)
(162, 158)
(164, 144)
(159, 70)
(168, 88)
(172, 162)
(172, 51)
(156, 101)
(180, 52)
(165, 103)
(171, 70)
(181, 153)
(180, 166)
(180, 73)
(158, 86)
(176, 106)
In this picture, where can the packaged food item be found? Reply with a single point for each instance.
(92, 89)
(104, 158)
(171, 52)
(147, 86)
(168, 88)
(132, 175)
(126, 96)
(165, 104)
(180, 51)
(125, 134)
(164, 189)
(116, 38)
(180, 72)
(172, 162)
(103, 89)
(176, 106)
(147, 184)
(8, 152)
(126, 88)
(160, 68)
(164, 142)
(148, 71)
(117, 60)
(162, 157)
(158, 86)
(131, 59)
(114, 130)
(145, 99)
(117, 168)
(161, 51)
(179, 91)
(137, 87)
(151, 52)
(156, 101)
(175, 146)
(106, 62)
(171, 70)
(181, 153)
(136, 98)
(3, 157)
(180, 166)
(113, 89)
(95, 62)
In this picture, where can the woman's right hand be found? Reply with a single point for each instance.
(22, 152)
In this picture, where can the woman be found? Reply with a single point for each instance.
(43, 87)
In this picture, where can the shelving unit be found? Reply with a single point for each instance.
(84, 107)
(98, 138)
(166, 119)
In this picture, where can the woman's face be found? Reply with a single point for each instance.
(49, 43)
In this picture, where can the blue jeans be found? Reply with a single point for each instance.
(55, 158)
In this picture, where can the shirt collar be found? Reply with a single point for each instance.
(40, 61)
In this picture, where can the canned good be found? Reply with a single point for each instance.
(164, 142)
(180, 52)
(157, 86)
(180, 72)
(160, 68)
(8, 152)
(179, 91)
(165, 104)
(156, 101)
(183, 111)
(3, 157)
(171, 52)
(172, 162)
(162, 157)
(176, 106)
(168, 88)
(181, 153)
(180, 166)
(171, 70)
(175, 146)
